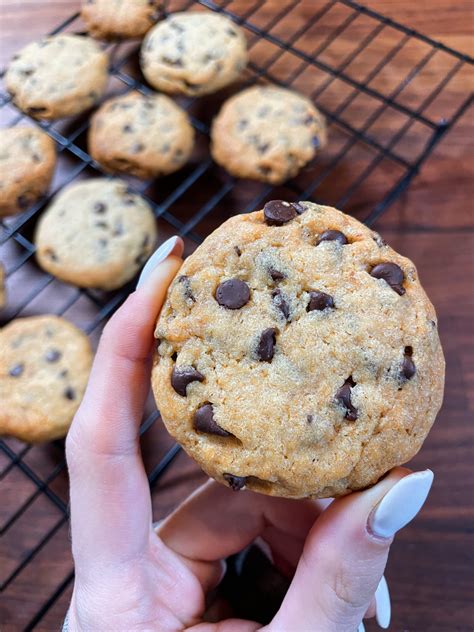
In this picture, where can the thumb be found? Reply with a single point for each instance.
(345, 554)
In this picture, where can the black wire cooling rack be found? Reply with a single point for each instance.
(389, 95)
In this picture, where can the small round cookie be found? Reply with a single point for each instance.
(120, 19)
(44, 366)
(298, 354)
(193, 53)
(59, 76)
(152, 136)
(96, 234)
(267, 133)
(27, 162)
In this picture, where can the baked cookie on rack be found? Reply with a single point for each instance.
(297, 354)
(96, 233)
(193, 53)
(152, 135)
(267, 133)
(44, 366)
(120, 19)
(58, 76)
(27, 162)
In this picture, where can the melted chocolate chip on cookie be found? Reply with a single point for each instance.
(233, 294)
(235, 482)
(408, 366)
(279, 300)
(266, 344)
(332, 235)
(319, 301)
(182, 376)
(391, 274)
(278, 212)
(343, 396)
(204, 421)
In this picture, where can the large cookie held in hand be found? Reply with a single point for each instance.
(298, 354)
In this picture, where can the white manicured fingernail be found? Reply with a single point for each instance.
(401, 504)
(361, 627)
(157, 257)
(383, 609)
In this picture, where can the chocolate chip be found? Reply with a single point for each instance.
(235, 482)
(408, 366)
(310, 418)
(34, 111)
(127, 129)
(343, 395)
(233, 294)
(180, 378)
(137, 148)
(319, 301)
(392, 274)
(279, 300)
(332, 235)
(278, 212)
(238, 252)
(188, 293)
(204, 421)
(266, 344)
(69, 393)
(276, 275)
(16, 370)
(52, 355)
(299, 208)
(177, 63)
(100, 207)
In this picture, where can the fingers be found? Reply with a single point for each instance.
(216, 522)
(107, 477)
(345, 555)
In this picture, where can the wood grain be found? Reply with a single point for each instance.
(430, 570)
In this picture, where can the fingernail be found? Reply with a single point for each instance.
(383, 609)
(158, 257)
(401, 504)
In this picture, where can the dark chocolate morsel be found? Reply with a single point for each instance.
(310, 418)
(408, 366)
(280, 303)
(182, 376)
(319, 301)
(235, 482)
(188, 293)
(52, 355)
(278, 212)
(233, 294)
(69, 393)
(299, 208)
(276, 274)
(100, 207)
(266, 344)
(16, 370)
(392, 274)
(204, 421)
(332, 235)
(343, 396)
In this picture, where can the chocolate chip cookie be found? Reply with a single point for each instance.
(96, 233)
(298, 354)
(267, 133)
(44, 366)
(152, 136)
(120, 19)
(193, 53)
(58, 76)
(27, 162)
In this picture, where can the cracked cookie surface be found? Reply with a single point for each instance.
(27, 162)
(151, 135)
(120, 19)
(96, 233)
(58, 76)
(44, 366)
(193, 53)
(297, 354)
(267, 133)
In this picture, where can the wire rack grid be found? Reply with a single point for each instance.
(389, 95)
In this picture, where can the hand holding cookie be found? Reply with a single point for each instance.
(129, 575)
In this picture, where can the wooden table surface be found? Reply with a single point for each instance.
(430, 570)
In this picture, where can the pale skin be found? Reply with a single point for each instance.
(130, 576)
